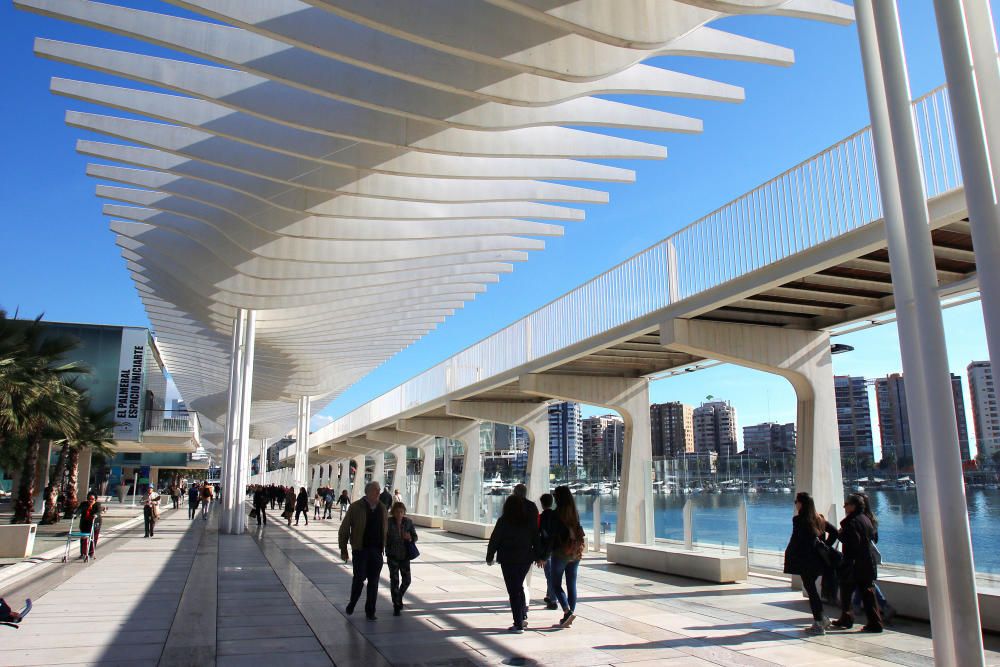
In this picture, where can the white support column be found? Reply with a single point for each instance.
(235, 493)
(229, 445)
(467, 432)
(358, 487)
(944, 520)
(532, 417)
(301, 467)
(969, 48)
(399, 479)
(630, 398)
(83, 474)
(378, 470)
(263, 461)
(426, 486)
(801, 357)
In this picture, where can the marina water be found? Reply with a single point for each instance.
(769, 518)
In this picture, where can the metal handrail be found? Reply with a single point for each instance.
(832, 193)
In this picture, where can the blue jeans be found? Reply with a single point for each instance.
(567, 598)
(550, 593)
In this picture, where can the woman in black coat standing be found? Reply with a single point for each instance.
(302, 505)
(812, 534)
(858, 571)
(515, 543)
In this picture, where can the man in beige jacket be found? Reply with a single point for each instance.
(365, 526)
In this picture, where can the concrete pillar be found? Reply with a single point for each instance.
(301, 465)
(232, 413)
(802, 358)
(83, 473)
(399, 479)
(969, 48)
(629, 397)
(235, 494)
(944, 519)
(378, 470)
(41, 475)
(467, 432)
(532, 417)
(358, 486)
(426, 487)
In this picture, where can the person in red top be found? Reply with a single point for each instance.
(90, 517)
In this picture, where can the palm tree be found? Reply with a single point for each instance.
(35, 400)
(95, 432)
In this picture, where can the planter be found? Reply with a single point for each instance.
(18, 540)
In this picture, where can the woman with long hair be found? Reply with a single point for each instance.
(400, 535)
(515, 544)
(860, 569)
(568, 543)
(808, 547)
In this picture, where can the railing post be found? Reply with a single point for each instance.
(741, 517)
(596, 546)
(688, 525)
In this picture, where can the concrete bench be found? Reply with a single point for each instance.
(17, 540)
(707, 566)
(909, 596)
(469, 528)
(425, 520)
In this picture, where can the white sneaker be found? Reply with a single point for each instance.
(816, 629)
(827, 623)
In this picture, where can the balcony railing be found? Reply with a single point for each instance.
(822, 198)
(170, 421)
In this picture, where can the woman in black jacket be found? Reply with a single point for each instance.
(515, 544)
(857, 535)
(812, 534)
(302, 505)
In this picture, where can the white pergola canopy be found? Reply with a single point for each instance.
(356, 170)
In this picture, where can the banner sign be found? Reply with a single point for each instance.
(128, 393)
(144, 475)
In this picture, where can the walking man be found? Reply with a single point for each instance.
(193, 497)
(365, 527)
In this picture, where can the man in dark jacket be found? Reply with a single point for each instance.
(857, 535)
(386, 499)
(546, 531)
(514, 543)
(365, 526)
(194, 497)
(260, 504)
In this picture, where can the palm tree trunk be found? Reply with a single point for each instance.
(51, 513)
(71, 501)
(24, 505)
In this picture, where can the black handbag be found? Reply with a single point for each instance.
(253, 513)
(830, 556)
(412, 552)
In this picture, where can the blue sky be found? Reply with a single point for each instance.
(60, 258)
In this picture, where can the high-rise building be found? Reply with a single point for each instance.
(715, 428)
(893, 417)
(614, 443)
(601, 443)
(985, 408)
(769, 439)
(854, 417)
(564, 436)
(671, 429)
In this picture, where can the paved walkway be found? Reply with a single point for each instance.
(189, 596)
